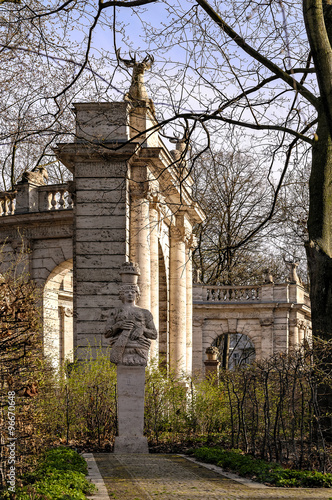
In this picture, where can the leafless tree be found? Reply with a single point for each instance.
(233, 192)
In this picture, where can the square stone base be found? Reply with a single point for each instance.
(130, 389)
(130, 444)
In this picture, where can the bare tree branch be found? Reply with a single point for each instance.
(257, 55)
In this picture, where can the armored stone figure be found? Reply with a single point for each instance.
(130, 327)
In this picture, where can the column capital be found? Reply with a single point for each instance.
(302, 324)
(178, 233)
(146, 190)
(266, 321)
(157, 200)
(296, 322)
(191, 241)
(139, 190)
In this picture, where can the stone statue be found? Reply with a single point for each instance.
(293, 276)
(38, 176)
(137, 89)
(130, 327)
(268, 278)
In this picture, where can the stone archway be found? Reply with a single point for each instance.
(58, 313)
(235, 349)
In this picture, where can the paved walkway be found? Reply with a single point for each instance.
(168, 477)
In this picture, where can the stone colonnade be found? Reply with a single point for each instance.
(147, 215)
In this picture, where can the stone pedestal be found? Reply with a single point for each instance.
(130, 388)
(212, 365)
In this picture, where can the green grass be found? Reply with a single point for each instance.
(260, 470)
(60, 475)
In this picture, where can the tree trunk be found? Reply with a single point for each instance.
(319, 247)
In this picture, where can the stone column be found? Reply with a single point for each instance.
(140, 240)
(51, 325)
(302, 327)
(281, 337)
(267, 337)
(198, 360)
(191, 243)
(68, 345)
(154, 270)
(178, 299)
(294, 324)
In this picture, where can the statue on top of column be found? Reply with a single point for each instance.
(137, 89)
(130, 327)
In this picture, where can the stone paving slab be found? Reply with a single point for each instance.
(95, 477)
(173, 477)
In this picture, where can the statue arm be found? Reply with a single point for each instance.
(111, 331)
(150, 330)
(115, 326)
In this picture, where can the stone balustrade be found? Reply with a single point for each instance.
(270, 292)
(232, 293)
(55, 197)
(7, 203)
(44, 199)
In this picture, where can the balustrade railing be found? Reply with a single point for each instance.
(232, 293)
(48, 198)
(279, 293)
(55, 197)
(7, 203)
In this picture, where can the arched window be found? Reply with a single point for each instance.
(235, 349)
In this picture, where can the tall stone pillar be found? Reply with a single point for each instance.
(198, 359)
(140, 239)
(178, 300)
(301, 330)
(189, 307)
(267, 346)
(154, 269)
(294, 332)
(101, 215)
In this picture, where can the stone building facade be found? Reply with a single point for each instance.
(130, 199)
(274, 317)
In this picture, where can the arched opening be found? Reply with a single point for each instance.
(58, 314)
(163, 312)
(235, 349)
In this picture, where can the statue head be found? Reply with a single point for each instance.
(129, 290)
(129, 293)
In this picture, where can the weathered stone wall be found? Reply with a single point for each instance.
(276, 318)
